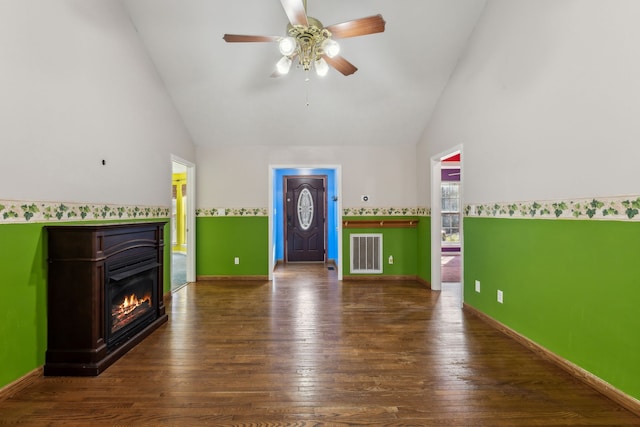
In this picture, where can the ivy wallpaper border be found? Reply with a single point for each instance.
(12, 211)
(624, 208)
(215, 212)
(390, 211)
(621, 208)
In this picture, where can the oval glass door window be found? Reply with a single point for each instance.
(305, 209)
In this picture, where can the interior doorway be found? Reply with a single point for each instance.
(451, 218)
(182, 223)
(333, 257)
(446, 220)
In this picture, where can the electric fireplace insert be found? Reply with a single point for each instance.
(105, 293)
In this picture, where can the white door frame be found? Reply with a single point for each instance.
(191, 216)
(436, 218)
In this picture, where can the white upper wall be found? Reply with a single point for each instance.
(239, 176)
(77, 87)
(545, 101)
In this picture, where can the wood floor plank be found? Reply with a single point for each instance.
(308, 350)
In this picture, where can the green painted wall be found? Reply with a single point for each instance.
(23, 298)
(571, 286)
(23, 290)
(402, 243)
(220, 239)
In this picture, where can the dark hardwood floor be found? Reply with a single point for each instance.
(307, 350)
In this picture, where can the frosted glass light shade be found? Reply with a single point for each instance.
(322, 68)
(331, 47)
(284, 65)
(287, 46)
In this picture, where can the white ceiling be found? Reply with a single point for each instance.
(226, 96)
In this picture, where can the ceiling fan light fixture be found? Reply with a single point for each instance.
(321, 66)
(287, 46)
(283, 65)
(307, 40)
(331, 48)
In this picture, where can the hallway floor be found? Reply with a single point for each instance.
(178, 269)
(451, 268)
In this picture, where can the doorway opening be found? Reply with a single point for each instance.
(277, 215)
(446, 222)
(182, 223)
(451, 217)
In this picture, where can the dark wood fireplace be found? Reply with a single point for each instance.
(105, 293)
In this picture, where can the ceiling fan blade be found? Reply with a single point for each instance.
(233, 38)
(295, 11)
(341, 64)
(358, 27)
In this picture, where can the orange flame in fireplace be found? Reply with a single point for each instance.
(132, 302)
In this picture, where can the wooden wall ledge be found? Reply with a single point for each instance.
(380, 223)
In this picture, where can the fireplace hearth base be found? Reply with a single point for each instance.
(85, 263)
(92, 369)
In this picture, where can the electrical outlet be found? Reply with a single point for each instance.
(500, 296)
(390, 259)
(478, 286)
(236, 260)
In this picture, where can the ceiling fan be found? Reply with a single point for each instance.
(312, 43)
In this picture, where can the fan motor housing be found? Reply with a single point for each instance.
(312, 32)
(309, 38)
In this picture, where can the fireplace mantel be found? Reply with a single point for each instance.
(81, 259)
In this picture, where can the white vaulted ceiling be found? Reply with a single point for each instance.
(225, 94)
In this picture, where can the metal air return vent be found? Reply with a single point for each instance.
(366, 253)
